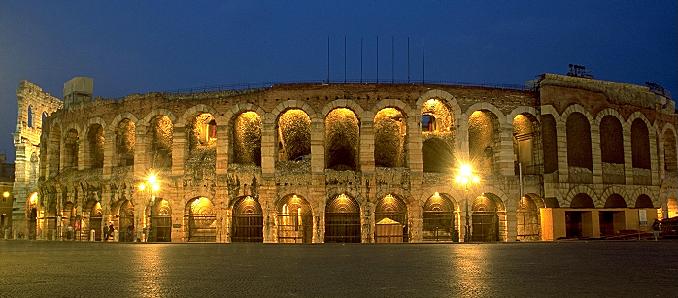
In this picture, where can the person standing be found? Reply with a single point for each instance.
(106, 233)
(656, 228)
(111, 229)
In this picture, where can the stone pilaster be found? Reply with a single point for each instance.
(628, 157)
(414, 145)
(268, 149)
(222, 149)
(179, 150)
(141, 153)
(504, 161)
(596, 154)
(317, 147)
(563, 168)
(366, 147)
(109, 154)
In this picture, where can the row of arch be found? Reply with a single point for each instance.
(534, 137)
(294, 219)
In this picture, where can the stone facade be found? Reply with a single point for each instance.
(357, 163)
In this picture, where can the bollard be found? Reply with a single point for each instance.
(92, 235)
(115, 236)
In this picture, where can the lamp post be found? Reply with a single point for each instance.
(465, 178)
(152, 184)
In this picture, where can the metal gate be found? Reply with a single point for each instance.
(391, 220)
(485, 226)
(95, 224)
(161, 228)
(439, 226)
(573, 224)
(126, 222)
(295, 221)
(248, 221)
(161, 222)
(342, 221)
(202, 227)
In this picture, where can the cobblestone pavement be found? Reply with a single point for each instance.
(68, 269)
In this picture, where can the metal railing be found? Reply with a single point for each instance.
(248, 87)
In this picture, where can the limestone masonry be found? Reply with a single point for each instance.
(371, 163)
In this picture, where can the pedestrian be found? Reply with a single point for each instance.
(110, 230)
(105, 233)
(130, 232)
(655, 228)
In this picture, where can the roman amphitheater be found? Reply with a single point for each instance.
(372, 163)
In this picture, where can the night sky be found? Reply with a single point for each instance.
(139, 46)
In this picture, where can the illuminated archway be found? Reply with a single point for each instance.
(161, 221)
(390, 216)
(248, 221)
(126, 222)
(246, 136)
(342, 136)
(484, 218)
(438, 219)
(342, 220)
(295, 220)
(201, 220)
(390, 137)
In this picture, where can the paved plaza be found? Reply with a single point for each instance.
(67, 269)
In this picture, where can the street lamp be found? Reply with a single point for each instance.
(153, 185)
(466, 178)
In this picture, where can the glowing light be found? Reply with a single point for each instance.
(465, 175)
(465, 170)
(155, 187)
(33, 198)
(142, 186)
(152, 179)
(5, 194)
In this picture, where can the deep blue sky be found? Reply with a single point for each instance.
(138, 46)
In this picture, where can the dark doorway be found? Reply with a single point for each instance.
(342, 220)
(248, 221)
(390, 217)
(126, 222)
(439, 219)
(573, 224)
(161, 222)
(295, 220)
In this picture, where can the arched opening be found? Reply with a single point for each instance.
(437, 156)
(436, 118)
(528, 220)
(525, 140)
(32, 214)
(95, 146)
(92, 220)
(51, 219)
(342, 136)
(202, 144)
(294, 136)
(581, 200)
(201, 220)
(644, 201)
(161, 132)
(126, 222)
(612, 150)
(71, 149)
(610, 222)
(247, 139)
(68, 220)
(125, 140)
(549, 143)
(438, 219)
(579, 155)
(248, 221)
(437, 124)
(390, 137)
(342, 220)
(295, 220)
(43, 119)
(161, 221)
(484, 140)
(390, 216)
(484, 218)
(579, 223)
(615, 201)
(30, 117)
(54, 150)
(670, 164)
(640, 144)
(640, 153)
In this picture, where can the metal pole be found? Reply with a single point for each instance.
(467, 230)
